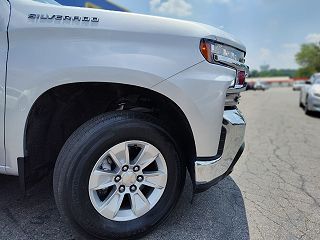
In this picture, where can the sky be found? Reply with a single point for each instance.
(272, 30)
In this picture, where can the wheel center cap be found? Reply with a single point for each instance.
(129, 178)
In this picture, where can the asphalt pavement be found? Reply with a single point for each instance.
(273, 193)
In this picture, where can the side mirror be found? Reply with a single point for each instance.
(308, 82)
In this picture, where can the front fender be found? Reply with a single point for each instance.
(200, 92)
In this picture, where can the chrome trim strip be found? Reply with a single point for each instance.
(232, 63)
(240, 89)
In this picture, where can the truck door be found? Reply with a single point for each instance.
(4, 20)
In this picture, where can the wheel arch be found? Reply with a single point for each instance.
(47, 118)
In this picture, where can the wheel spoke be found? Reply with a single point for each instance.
(139, 203)
(120, 154)
(147, 155)
(115, 159)
(111, 206)
(155, 179)
(100, 180)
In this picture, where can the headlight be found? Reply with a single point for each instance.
(316, 94)
(219, 52)
(315, 91)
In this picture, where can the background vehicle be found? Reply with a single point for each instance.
(310, 94)
(118, 106)
(250, 86)
(298, 85)
(260, 86)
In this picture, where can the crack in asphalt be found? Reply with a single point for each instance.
(278, 172)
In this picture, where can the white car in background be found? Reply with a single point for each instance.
(310, 94)
(259, 85)
(298, 85)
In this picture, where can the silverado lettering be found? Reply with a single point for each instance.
(61, 17)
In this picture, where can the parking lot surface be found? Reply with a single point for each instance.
(273, 193)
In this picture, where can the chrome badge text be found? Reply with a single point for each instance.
(62, 18)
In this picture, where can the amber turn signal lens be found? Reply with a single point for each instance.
(205, 48)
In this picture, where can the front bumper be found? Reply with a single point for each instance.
(210, 170)
(314, 103)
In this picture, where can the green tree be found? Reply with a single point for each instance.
(273, 73)
(254, 73)
(309, 59)
(305, 72)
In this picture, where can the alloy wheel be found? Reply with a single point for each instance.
(128, 180)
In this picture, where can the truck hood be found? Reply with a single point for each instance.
(123, 21)
(170, 26)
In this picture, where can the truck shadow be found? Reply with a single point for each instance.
(218, 213)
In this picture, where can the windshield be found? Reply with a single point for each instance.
(47, 1)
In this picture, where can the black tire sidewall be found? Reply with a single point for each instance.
(84, 155)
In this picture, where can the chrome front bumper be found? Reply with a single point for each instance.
(210, 170)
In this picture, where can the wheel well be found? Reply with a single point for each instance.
(58, 112)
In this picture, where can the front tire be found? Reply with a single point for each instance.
(300, 102)
(118, 176)
(306, 108)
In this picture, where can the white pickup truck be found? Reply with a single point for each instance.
(117, 106)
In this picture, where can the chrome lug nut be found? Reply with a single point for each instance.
(136, 168)
(133, 188)
(122, 188)
(117, 179)
(125, 168)
(140, 178)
